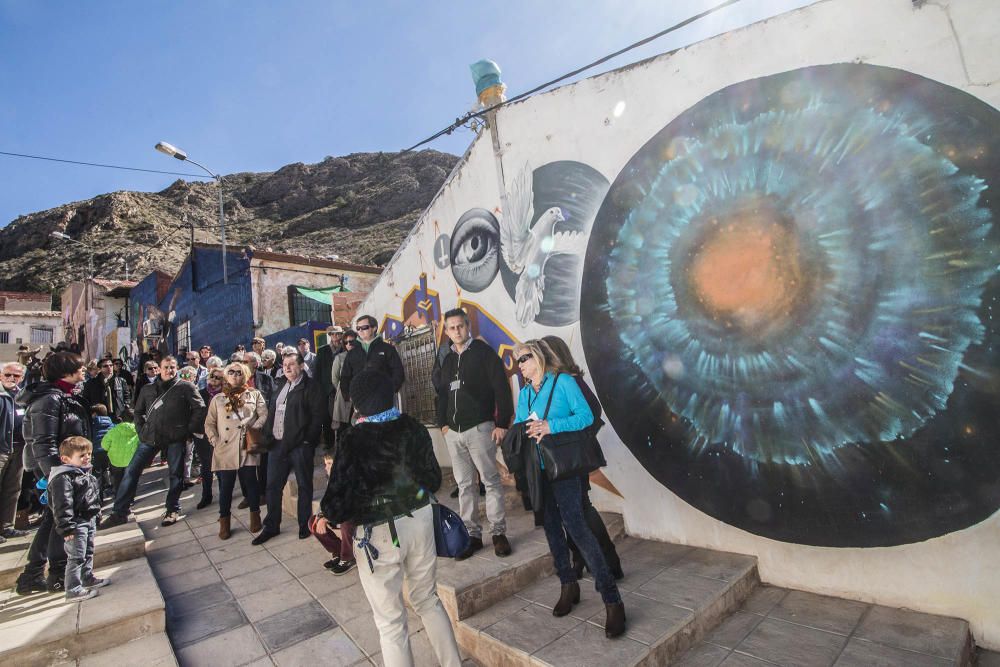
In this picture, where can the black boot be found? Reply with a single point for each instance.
(204, 502)
(614, 625)
(569, 596)
(27, 584)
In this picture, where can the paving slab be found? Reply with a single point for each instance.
(233, 648)
(924, 633)
(149, 651)
(784, 643)
(861, 653)
(44, 629)
(294, 625)
(331, 647)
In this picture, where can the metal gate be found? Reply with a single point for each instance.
(417, 349)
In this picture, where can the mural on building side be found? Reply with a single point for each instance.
(789, 306)
(543, 239)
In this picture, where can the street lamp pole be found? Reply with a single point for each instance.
(177, 153)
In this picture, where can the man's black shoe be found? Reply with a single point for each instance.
(475, 544)
(204, 502)
(332, 563)
(11, 533)
(264, 536)
(501, 547)
(54, 585)
(113, 520)
(304, 532)
(454, 492)
(27, 586)
(343, 567)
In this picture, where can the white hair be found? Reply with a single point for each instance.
(213, 362)
(7, 364)
(269, 354)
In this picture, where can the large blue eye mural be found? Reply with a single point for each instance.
(789, 306)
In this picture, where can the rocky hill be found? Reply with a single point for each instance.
(359, 207)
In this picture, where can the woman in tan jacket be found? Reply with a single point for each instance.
(238, 408)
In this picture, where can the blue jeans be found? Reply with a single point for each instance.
(248, 480)
(564, 509)
(80, 556)
(143, 457)
(280, 463)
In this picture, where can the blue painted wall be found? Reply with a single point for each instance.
(221, 315)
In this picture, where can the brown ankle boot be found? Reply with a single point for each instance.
(614, 625)
(569, 596)
(21, 520)
(255, 524)
(224, 531)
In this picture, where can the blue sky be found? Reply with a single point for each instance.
(252, 86)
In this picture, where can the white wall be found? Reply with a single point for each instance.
(951, 42)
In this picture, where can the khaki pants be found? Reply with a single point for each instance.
(415, 560)
(473, 450)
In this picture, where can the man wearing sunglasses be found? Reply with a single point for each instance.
(11, 448)
(472, 389)
(370, 352)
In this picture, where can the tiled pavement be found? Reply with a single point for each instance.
(776, 626)
(232, 603)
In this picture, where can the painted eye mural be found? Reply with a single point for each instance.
(789, 306)
(543, 238)
(475, 250)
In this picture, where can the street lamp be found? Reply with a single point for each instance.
(174, 152)
(90, 251)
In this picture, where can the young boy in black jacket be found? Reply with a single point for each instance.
(75, 495)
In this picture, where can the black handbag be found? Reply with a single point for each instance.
(569, 454)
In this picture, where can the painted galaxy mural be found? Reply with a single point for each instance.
(788, 309)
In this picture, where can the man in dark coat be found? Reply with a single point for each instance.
(110, 390)
(295, 416)
(324, 372)
(11, 448)
(371, 353)
(167, 413)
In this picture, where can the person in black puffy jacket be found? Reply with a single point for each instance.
(75, 498)
(53, 412)
(382, 477)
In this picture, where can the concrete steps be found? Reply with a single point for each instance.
(44, 629)
(673, 595)
(112, 546)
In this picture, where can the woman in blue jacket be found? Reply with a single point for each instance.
(563, 508)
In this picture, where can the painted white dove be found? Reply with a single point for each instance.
(527, 248)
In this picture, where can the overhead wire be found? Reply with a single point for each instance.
(459, 122)
(98, 164)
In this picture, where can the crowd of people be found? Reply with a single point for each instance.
(84, 433)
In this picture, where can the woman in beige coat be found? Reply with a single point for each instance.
(239, 407)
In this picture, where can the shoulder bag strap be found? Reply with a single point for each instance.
(552, 392)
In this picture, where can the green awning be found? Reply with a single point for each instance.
(322, 295)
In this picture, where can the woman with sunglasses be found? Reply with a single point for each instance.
(341, 415)
(561, 500)
(231, 413)
(559, 359)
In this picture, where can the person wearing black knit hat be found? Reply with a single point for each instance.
(381, 481)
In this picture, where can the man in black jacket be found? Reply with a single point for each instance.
(474, 410)
(167, 413)
(11, 448)
(110, 390)
(323, 372)
(295, 416)
(371, 353)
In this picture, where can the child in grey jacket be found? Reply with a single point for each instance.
(75, 495)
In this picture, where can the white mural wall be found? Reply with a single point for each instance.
(775, 254)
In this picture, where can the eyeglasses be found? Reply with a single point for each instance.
(192, 358)
(234, 372)
(13, 375)
(349, 341)
(524, 357)
(363, 327)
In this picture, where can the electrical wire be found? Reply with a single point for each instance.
(106, 166)
(459, 122)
